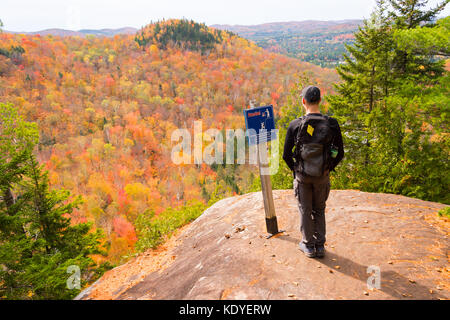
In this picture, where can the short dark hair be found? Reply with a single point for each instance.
(311, 94)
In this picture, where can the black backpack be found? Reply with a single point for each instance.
(313, 145)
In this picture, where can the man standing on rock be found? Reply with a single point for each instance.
(318, 148)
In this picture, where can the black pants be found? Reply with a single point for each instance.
(312, 194)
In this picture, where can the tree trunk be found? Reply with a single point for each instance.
(9, 198)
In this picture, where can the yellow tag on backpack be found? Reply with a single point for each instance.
(310, 130)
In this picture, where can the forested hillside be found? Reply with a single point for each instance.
(319, 42)
(106, 108)
(86, 173)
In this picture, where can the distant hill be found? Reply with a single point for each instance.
(109, 32)
(306, 26)
(318, 42)
(81, 33)
(183, 34)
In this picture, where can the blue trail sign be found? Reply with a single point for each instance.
(260, 122)
(260, 125)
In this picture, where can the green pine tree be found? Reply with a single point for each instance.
(395, 117)
(366, 82)
(38, 244)
(410, 14)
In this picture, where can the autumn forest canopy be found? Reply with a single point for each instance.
(86, 122)
(183, 34)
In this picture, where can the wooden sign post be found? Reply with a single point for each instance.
(266, 188)
(261, 121)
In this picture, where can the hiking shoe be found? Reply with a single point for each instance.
(320, 251)
(308, 251)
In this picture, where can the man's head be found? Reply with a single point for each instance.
(311, 96)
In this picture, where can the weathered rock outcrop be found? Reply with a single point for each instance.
(224, 253)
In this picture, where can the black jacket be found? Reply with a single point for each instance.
(294, 126)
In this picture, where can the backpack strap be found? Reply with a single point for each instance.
(329, 123)
(297, 144)
(297, 136)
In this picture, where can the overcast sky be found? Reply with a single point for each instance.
(33, 15)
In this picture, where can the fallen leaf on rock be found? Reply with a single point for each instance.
(406, 295)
